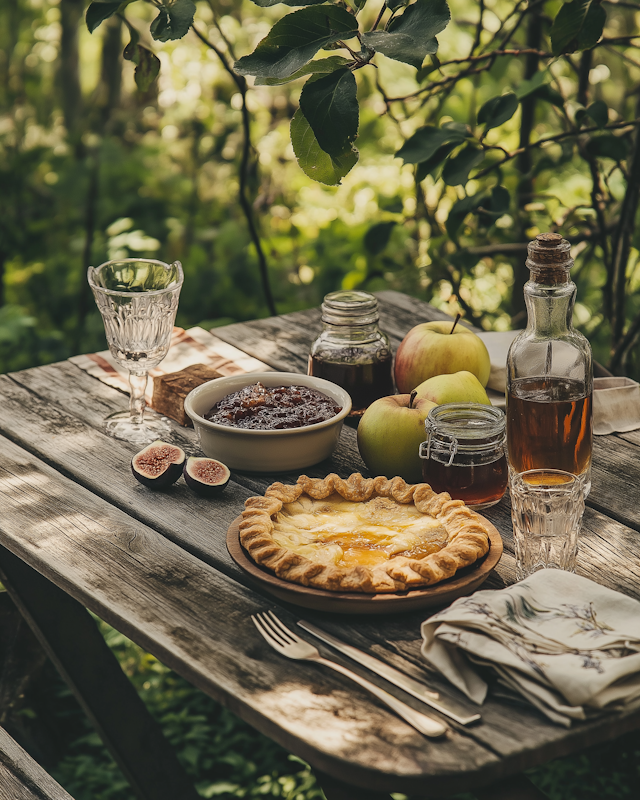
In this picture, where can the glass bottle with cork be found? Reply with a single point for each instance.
(352, 351)
(550, 372)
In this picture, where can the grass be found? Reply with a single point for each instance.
(226, 758)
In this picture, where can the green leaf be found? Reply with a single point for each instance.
(377, 237)
(312, 159)
(147, 69)
(323, 66)
(295, 39)
(130, 51)
(549, 95)
(498, 110)
(459, 211)
(598, 112)
(147, 63)
(173, 21)
(98, 12)
(527, 87)
(330, 106)
(426, 141)
(431, 165)
(411, 36)
(456, 170)
(577, 26)
(269, 3)
(606, 145)
(499, 200)
(395, 4)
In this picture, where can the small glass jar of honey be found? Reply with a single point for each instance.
(464, 453)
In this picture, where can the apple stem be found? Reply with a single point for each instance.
(457, 319)
(412, 397)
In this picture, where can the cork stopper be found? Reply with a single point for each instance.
(549, 259)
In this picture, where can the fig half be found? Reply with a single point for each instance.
(206, 476)
(158, 465)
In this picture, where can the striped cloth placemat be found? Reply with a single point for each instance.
(193, 346)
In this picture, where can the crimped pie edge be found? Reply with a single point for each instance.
(468, 536)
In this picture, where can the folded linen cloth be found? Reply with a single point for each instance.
(193, 346)
(616, 405)
(498, 344)
(566, 644)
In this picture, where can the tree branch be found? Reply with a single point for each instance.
(621, 245)
(624, 345)
(247, 209)
(557, 138)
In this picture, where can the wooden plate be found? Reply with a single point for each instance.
(463, 582)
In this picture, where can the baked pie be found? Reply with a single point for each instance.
(361, 534)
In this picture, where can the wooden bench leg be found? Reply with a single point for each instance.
(73, 642)
(517, 787)
(335, 789)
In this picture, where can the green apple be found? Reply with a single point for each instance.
(390, 433)
(439, 348)
(460, 387)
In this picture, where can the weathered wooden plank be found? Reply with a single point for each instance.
(394, 640)
(77, 649)
(57, 412)
(21, 778)
(198, 622)
(283, 342)
(397, 640)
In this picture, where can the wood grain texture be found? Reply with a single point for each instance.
(71, 639)
(21, 778)
(56, 412)
(284, 342)
(198, 622)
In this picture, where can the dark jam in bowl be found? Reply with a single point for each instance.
(267, 408)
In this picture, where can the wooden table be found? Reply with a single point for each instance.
(155, 566)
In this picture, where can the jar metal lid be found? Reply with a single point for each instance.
(350, 308)
(463, 428)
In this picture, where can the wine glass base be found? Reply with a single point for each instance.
(153, 427)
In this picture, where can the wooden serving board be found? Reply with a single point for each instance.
(464, 582)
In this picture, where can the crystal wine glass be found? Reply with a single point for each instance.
(138, 300)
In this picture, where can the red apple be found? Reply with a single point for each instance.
(389, 436)
(439, 348)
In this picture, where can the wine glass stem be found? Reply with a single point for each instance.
(137, 402)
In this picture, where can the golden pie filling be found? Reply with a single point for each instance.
(347, 534)
(361, 534)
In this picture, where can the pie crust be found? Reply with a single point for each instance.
(361, 534)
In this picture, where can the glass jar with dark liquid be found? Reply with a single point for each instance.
(549, 371)
(352, 351)
(464, 454)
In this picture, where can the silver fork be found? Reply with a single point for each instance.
(291, 646)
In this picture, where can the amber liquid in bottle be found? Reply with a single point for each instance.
(364, 382)
(549, 425)
(480, 485)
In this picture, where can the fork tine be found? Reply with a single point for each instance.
(258, 622)
(275, 629)
(282, 628)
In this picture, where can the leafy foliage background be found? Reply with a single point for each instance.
(132, 140)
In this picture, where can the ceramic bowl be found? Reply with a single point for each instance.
(265, 451)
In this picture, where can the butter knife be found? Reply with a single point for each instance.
(451, 708)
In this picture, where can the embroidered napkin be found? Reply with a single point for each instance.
(566, 644)
(193, 346)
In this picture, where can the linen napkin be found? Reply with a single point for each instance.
(193, 346)
(498, 344)
(566, 644)
(616, 405)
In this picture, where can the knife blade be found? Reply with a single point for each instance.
(450, 708)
